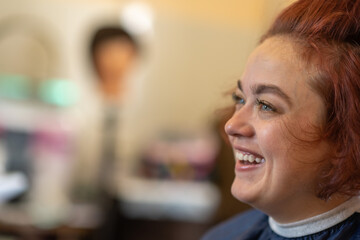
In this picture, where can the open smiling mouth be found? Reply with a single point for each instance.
(248, 159)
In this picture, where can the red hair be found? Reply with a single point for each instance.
(328, 33)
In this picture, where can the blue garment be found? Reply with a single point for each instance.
(254, 225)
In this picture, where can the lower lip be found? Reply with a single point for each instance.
(240, 167)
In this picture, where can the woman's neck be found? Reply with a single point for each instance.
(305, 208)
(317, 223)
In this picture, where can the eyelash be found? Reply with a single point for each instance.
(265, 106)
(237, 99)
(262, 105)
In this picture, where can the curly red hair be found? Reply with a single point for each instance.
(328, 36)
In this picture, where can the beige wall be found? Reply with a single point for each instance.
(197, 52)
(200, 49)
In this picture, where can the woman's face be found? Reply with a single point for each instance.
(277, 116)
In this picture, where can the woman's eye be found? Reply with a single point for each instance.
(265, 106)
(238, 99)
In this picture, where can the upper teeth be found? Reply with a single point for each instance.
(248, 157)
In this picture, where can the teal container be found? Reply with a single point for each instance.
(58, 92)
(15, 87)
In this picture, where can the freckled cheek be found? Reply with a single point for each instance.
(272, 141)
(275, 145)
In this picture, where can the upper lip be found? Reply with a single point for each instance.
(247, 150)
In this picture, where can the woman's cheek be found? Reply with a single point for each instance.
(271, 137)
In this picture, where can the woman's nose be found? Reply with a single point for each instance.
(239, 125)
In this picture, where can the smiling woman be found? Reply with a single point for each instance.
(275, 98)
(295, 132)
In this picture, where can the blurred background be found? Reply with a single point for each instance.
(110, 125)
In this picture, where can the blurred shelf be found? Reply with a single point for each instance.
(20, 115)
(16, 222)
(166, 199)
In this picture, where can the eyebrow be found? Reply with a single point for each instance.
(239, 85)
(267, 88)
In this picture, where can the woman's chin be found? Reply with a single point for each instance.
(242, 193)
